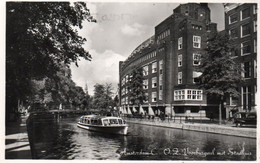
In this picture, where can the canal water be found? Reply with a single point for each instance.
(142, 143)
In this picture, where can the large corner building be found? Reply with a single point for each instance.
(169, 60)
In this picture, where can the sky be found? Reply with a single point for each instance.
(120, 28)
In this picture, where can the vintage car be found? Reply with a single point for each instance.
(245, 118)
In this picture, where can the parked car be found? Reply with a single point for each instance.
(245, 118)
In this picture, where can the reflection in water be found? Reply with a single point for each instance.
(144, 143)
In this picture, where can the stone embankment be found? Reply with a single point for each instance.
(247, 131)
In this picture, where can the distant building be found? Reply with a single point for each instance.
(169, 60)
(241, 23)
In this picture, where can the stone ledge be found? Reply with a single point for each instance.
(216, 129)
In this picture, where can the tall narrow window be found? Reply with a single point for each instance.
(245, 30)
(154, 82)
(255, 9)
(196, 41)
(245, 13)
(160, 95)
(246, 67)
(245, 48)
(161, 66)
(154, 96)
(145, 84)
(196, 59)
(255, 25)
(145, 70)
(196, 76)
(233, 33)
(180, 43)
(233, 18)
(255, 45)
(147, 98)
(154, 67)
(179, 77)
(255, 69)
(179, 60)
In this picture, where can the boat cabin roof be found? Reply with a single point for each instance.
(99, 117)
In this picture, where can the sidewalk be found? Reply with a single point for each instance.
(224, 129)
(16, 140)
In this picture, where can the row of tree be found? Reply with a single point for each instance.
(41, 42)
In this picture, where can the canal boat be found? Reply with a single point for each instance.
(112, 125)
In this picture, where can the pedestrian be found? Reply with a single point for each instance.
(211, 116)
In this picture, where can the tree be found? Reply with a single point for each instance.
(40, 36)
(102, 98)
(221, 75)
(135, 86)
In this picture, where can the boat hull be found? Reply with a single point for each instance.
(121, 130)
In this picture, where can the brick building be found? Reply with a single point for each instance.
(169, 60)
(241, 23)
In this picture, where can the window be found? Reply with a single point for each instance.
(245, 13)
(161, 66)
(255, 25)
(160, 82)
(126, 100)
(145, 84)
(179, 95)
(123, 91)
(179, 77)
(187, 94)
(196, 75)
(255, 69)
(196, 59)
(246, 67)
(233, 18)
(180, 43)
(196, 41)
(179, 60)
(245, 48)
(160, 95)
(246, 97)
(154, 96)
(145, 70)
(245, 30)
(233, 33)
(146, 98)
(126, 90)
(255, 46)
(255, 9)
(123, 81)
(123, 101)
(154, 82)
(154, 67)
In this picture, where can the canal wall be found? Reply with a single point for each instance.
(208, 128)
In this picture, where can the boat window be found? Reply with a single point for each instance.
(113, 121)
(120, 121)
(105, 122)
(99, 122)
(94, 122)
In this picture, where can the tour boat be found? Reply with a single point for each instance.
(112, 125)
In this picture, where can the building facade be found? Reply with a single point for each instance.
(169, 60)
(241, 23)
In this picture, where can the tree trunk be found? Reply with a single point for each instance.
(220, 109)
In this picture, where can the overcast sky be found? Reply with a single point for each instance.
(120, 28)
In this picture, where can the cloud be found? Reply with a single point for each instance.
(133, 30)
(104, 68)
